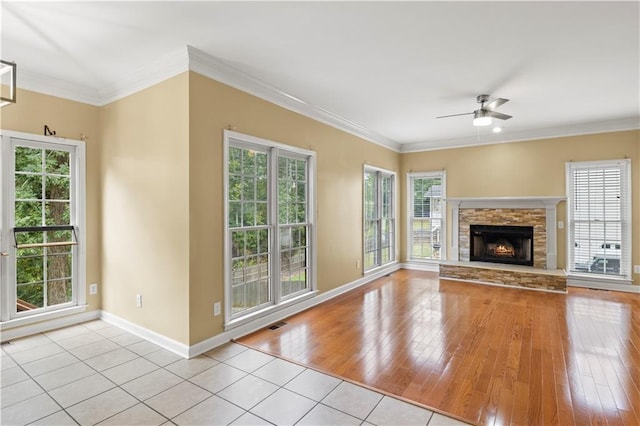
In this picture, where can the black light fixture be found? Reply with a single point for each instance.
(8, 70)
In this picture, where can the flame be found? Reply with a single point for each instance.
(502, 250)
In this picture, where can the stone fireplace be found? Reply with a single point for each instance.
(535, 218)
(536, 212)
(505, 241)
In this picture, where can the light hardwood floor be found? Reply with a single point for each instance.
(485, 354)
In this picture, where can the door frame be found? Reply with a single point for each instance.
(8, 317)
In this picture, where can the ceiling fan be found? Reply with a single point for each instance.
(483, 116)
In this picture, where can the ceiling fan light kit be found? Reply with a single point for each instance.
(480, 118)
(484, 115)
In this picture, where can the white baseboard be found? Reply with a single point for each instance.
(48, 325)
(594, 282)
(258, 323)
(165, 342)
(421, 266)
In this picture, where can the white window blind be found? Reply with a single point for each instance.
(599, 205)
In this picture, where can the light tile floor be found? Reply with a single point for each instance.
(96, 373)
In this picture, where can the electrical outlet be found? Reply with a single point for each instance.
(216, 309)
(560, 224)
(357, 264)
(93, 288)
(636, 269)
(139, 300)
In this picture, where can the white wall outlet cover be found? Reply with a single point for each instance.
(93, 289)
(216, 309)
(139, 300)
(636, 269)
(560, 224)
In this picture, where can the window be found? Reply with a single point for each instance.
(379, 217)
(42, 227)
(599, 213)
(269, 227)
(427, 212)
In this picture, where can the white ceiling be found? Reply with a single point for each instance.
(384, 69)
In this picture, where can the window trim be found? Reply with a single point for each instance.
(394, 203)
(79, 293)
(625, 222)
(233, 138)
(442, 174)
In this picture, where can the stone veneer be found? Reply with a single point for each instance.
(531, 278)
(535, 217)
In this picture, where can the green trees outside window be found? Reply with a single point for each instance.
(42, 198)
(268, 226)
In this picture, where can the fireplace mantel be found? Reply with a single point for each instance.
(547, 203)
(504, 202)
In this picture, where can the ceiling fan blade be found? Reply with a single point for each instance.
(497, 115)
(455, 115)
(495, 103)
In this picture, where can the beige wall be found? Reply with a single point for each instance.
(155, 195)
(145, 207)
(70, 120)
(340, 161)
(532, 168)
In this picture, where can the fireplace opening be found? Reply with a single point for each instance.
(502, 244)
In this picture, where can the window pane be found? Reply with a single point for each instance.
(58, 266)
(235, 214)
(57, 213)
(28, 187)
(250, 200)
(30, 269)
(427, 212)
(293, 260)
(57, 162)
(43, 191)
(58, 291)
(378, 212)
(32, 294)
(597, 219)
(57, 188)
(235, 160)
(28, 159)
(28, 213)
(235, 188)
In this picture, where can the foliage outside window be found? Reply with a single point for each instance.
(379, 218)
(426, 215)
(599, 211)
(42, 198)
(268, 224)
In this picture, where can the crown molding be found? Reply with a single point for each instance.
(225, 73)
(577, 129)
(57, 87)
(190, 58)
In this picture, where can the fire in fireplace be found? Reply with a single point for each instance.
(502, 244)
